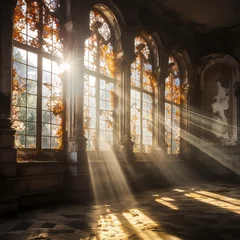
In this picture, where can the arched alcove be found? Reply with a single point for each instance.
(218, 75)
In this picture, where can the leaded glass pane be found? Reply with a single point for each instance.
(142, 86)
(99, 88)
(90, 110)
(104, 29)
(52, 4)
(136, 73)
(51, 40)
(52, 104)
(26, 20)
(107, 63)
(168, 126)
(90, 53)
(172, 109)
(30, 19)
(24, 99)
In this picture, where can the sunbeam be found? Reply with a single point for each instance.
(109, 181)
(214, 152)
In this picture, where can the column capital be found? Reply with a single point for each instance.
(76, 34)
(77, 143)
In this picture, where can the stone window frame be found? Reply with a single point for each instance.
(38, 153)
(154, 57)
(115, 22)
(184, 63)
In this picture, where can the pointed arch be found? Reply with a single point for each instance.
(219, 74)
(176, 101)
(100, 78)
(143, 87)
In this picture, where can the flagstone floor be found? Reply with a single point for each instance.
(207, 211)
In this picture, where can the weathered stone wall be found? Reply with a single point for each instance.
(40, 182)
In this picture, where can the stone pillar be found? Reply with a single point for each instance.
(126, 144)
(78, 184)
(162, 74)
(8, 183)
(186, 109)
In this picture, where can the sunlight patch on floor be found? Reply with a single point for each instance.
(212, 201)
(166, 202)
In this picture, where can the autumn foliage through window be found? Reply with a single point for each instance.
(99, 85)
(142, 97)
(172, 107)
(37, 103)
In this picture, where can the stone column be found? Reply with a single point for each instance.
(126, 144)
(186, 110)
(78, 182)
(8, 183)
(162, 74)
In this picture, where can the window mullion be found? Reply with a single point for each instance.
(39, 82)
(98, 95)
(153, 118)
(141, 105)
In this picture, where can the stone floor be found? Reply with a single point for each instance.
(204, 211)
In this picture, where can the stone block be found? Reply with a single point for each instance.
(40, 168)
(34, 185)
(39, 199)
(8, 155)
(8, 189)
(78, 182)
(7, 170)
(6, 138)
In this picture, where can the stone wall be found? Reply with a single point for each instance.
(40, 182)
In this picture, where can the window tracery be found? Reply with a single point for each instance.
(37, 103)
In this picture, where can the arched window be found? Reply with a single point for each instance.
(142, 97)
(37, 105)
(172, 107)
(99, 84)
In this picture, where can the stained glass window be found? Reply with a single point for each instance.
(142, 98)
(37, 104)
(172, 107)
(99, 85)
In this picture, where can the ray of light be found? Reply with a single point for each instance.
(108, 179)
(173, 170)
(214, 152)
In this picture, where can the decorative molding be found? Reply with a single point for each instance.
(76, 144)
